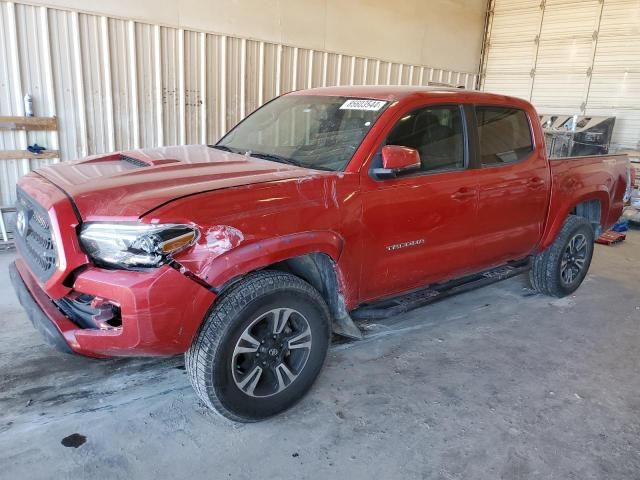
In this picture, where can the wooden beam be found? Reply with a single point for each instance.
(28, 123)
(22, 154)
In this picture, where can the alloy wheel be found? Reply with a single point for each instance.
(573, 259)
(271, 352)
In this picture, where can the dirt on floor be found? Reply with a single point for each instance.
(495, 383)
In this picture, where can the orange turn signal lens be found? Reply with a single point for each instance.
(178, 243)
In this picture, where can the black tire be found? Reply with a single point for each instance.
(548, 273)
(214, 365)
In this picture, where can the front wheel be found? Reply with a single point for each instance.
(261, 347)
(560, 269)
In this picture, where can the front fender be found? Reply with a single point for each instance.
(253, 256)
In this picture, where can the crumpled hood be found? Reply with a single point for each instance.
(132, 183)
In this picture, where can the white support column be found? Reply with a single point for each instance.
(377, 77)
(106, 70)
(77, 71)
(310, 70)
(261, 74)
(243, 74)
(157, 73)
(339, 70)
(133, 75)
(203, 88)
(15, 61)
(365, 71)
(325, 61)
(352, 72)
(294, 86)
(47, 68)
(182, 103)
(21, 136)
(400, 74)
(294, 70)
(223, 85)
(278, 69)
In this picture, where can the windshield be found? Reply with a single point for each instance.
(320, 132)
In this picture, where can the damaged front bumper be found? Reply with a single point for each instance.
(159, 311)
(42, 313)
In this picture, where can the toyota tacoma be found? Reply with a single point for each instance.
(321, 208)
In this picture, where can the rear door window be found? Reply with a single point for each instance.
(504, 135)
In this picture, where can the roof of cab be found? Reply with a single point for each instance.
(400, 92)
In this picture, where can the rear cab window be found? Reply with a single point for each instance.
(504, 135)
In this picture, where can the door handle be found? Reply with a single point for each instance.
(536, 182)
(463, 194)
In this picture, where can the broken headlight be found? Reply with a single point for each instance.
(135, 245)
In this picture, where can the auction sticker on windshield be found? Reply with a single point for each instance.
(355, 104)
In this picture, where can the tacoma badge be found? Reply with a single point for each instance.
(398, 246)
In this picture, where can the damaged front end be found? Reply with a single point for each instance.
(104, 288)
(135, 271)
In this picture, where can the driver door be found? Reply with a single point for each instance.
(418, 227)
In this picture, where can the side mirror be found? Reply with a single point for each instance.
(397, 160)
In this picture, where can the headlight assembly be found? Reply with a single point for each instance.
(135, 245)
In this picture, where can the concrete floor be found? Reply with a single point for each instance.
(495, 383)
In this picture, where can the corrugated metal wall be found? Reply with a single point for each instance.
(116, 84)
(570, 57)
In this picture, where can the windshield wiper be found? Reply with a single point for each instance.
(273, 157)
(223, 147)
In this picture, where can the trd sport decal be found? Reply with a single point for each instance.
(398, 246)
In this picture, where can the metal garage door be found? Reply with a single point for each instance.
(574, 57)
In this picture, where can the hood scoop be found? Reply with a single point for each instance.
(136, 162)
(148, 162)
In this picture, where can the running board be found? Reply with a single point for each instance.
(404, 303)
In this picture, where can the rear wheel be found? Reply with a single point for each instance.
(561, 268)
(261, 347)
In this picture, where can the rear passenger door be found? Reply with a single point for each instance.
(513, 185)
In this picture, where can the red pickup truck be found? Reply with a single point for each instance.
(321, 207)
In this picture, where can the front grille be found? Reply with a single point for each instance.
(34, 238)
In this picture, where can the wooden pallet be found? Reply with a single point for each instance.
(16, 123)
(28, 124)
(611, 238)
(21, 154)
